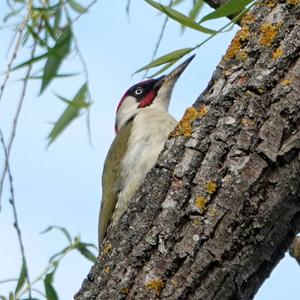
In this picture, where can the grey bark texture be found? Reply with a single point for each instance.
(221, 206)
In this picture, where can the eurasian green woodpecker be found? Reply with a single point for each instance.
(142, 126)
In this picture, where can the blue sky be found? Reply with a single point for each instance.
(61, 185)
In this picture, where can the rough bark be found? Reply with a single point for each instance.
(221, 206)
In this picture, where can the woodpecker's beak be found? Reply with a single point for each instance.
(174, 75)
(165, 84)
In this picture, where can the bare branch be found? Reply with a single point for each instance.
(217, 3)
(16, 220)
(15, 121)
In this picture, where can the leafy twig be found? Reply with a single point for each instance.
(16, 50)
(15, 121)
(87, 8)
(16, 221)
(85, 71)
(163, 29)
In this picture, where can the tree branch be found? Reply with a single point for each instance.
(217, 3)
(221, 206)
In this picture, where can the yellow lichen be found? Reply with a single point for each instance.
(200, 203)
(211, 187)
(270, 3)
(286, 82)
(203, 110)
(235, 48)
(184, 127)
(156, 285)
(106, 249)
(293, 2)
(268, 33)
(247, 122)
(125, 291)
(107, 269)
(241, 55)
(277, 53)
(248, 20)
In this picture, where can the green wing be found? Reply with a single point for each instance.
(110, 178)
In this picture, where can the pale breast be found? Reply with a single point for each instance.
(150, 130)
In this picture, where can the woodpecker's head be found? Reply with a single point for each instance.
(153, 92)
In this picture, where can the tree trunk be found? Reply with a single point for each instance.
(221, 206)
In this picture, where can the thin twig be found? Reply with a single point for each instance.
(163, 29)
(15, 121)
(128, 10)
(87, 8)
(128, 6)
(16, 50)
(8, 280)
(86, 75)
(16, 221)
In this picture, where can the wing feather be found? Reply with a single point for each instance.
(111, 178)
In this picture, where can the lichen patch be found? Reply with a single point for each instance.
(184, 127)
(248, 20)
(200, 203)
(211, 187)
(235, 49)
(270, 3)
(293, 2)
(277, 53)
(268, 33)
(156, 285)
(286, 82)
(106, 249)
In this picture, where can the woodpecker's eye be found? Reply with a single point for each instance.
(138, 91)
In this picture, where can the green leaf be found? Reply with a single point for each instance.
(62, 229)
(176, 2)
(3, 298)
(49, 289)
(57, 76)
(83, 249)
(70, 113)
(35, 36)
(77, 6)
(229, 8)
(179, 17)
(11, 296)
(48, 27)
(56, 56)
(30, 61)
(22, 278)
(194, 12)
(57, 19)
(170, 57)
(164, 68)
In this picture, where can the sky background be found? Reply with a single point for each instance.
(61, 185)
